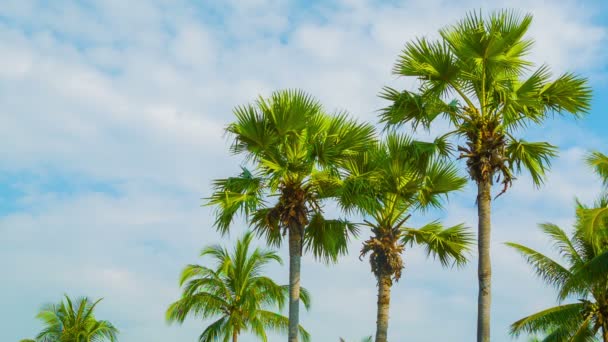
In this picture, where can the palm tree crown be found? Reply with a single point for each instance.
(482, 62)
(74, 321)
(296, 150)
(235, 290)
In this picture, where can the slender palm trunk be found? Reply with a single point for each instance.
(295, 259)
(484, 271)
(384, 299)
(235, 336)
(605, 332)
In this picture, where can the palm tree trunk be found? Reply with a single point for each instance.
(484, 271)
(384, 299)
(295, 259)
(235, 336)
(605, 332)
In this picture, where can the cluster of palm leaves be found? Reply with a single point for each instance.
(73, 321)
(584, 276)
(297, 158)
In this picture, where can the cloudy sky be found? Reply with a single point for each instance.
(112, 116)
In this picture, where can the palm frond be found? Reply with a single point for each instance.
(449, 245)
(234, 195)
(599, 163)
(534, 157)
(546, 268)
(569, 316)
(328, 239)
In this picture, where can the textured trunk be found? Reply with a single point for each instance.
(235, 336)
(605, 332)
(295, 258)
(384, 299)
(484, 271)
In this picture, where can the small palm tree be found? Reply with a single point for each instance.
(296, 150)
(477, 77)
(585, 277)
(386, 184)
(235, 290)
(66, 322)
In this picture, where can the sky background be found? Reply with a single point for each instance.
(112, 117)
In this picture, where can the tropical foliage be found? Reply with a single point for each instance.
(295, 149)
(235, 292)
(73, 321)
(584, 277)
(477, 77)
(386, 184)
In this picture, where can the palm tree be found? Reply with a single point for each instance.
(585, 277)
(295, 149)
(386, 184)
(477, 77)
(66, 322)
(236, 291)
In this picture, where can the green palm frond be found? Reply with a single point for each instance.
(568, 316)
(449, 245)
(328, 239)
(546, 268)
(216, 331)
(568, 93)
(534, 157)
(599, 163)
(420, 111)
(242, 194)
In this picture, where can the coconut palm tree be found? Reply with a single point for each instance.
(295, 149)
(236, 290)
(477, 78)
(584, 277)
(386, 184)
(73, 321)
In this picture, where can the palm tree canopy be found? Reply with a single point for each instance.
(295, 150)
(387, 183)
(477, 77)
(584, 277)
(235, 292)
(74, 321)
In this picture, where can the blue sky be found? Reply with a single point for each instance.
(112, 118)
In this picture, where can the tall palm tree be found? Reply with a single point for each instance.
(73, 321)
(585, 277)
(295, 150)
(235, 290)
(477, 77)
(386, 184)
